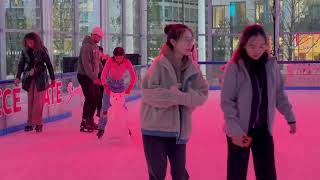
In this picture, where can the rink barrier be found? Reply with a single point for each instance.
(297, 75)
(59, 102)
(45, 120)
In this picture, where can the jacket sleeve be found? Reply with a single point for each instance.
(48, 63)
(282, 102)
(90, 62)
(21, 65)
(229, 101)
(152, 93)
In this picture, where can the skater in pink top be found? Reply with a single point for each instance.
(112, 79)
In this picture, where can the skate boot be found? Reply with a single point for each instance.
(100, 133)
(86, 126)
(93, 124)
(130, 133)
(38, 128)
(28, 128)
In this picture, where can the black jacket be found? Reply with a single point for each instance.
(41, 63)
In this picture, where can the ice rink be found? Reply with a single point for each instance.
(61, 152)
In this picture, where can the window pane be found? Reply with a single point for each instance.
(115, 18)
(63, 15)
(300, 29)
(238, 19)
(300, 46)
(132, 40)
(62, 46)
(13, 52)
(161, 13)
(154, 21)
(132, 44)
(23, 14)
(135, 12)
(154, 44)
(89, 14)
(219, 16)
(114, 41)
(230, 18)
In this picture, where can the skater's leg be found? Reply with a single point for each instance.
(94, 104)
(156, 156)
(263, 155)
(31, 94)
(29, 126)
(88, 90)
(38, 105)
(100, 101)
(86, 86)
(104, 111)
(238, 159)
(177, 158)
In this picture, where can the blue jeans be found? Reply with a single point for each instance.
(116, 86)
(105, 106)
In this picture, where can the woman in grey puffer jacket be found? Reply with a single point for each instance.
(252, 89)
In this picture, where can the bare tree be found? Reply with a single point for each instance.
(62, 23)
(296, 18)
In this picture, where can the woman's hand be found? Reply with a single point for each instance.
(17, 82)
(97, 82)
(53, 83)
(128, 91)
(106, 89)
(242, 141)
(31, 72)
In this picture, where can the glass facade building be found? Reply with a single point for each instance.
(293, 26)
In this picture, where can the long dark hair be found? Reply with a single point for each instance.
(35, 38)
(175, 31)
(247, 33)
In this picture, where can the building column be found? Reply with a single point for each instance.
(277, 28)
(201, 34)
(129, 31)
(209, 33)
(124, 22)
(201, 30)
(3, 63)
(76, 29)
(143, 31)
(104, 24)
(47, 26)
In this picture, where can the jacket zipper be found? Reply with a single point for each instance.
(260, 99)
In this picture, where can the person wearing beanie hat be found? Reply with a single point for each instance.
(112, 79)
(97, 31)
(88, 71)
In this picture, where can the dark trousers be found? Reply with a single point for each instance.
(91, 93)
(157, 150)
(263, 157)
